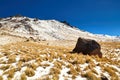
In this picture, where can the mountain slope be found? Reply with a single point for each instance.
(46, 29)
(25, 59)
(35, 61)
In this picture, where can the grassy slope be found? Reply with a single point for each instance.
(31, 55)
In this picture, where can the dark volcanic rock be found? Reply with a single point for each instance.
(87, 46)
(0, 25)
(104, 78)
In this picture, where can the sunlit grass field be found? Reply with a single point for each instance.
(47, 61)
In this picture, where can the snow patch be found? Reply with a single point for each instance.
(64, 73)
(80, 78)
(41, 71)
(83, 66)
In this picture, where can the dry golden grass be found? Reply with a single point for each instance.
(1, 78)
(94, 71)
(45, 65)
(59, 56)
(55, 77)
(4, 67)
(111, 44)
(33, 66)
(55, 71)
(46, 77)
(57, 64)
(1, 55)
(77, 68)
(11, 59)
(23, 76)
(29, 72)
(112, 73)
(91, 76)
(10, 72)
(73, 71)
(19, 65)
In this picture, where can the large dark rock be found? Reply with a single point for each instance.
(104, 78)
(0, 25)
(87, 46)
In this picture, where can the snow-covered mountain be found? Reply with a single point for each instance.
(21, 59)
(46, 29)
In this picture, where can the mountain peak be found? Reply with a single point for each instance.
(46, 29)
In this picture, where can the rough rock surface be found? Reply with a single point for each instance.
(88, 46)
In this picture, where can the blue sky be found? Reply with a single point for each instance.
(96, 16)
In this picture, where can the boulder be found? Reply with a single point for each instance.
(0, 25)
(104, 78)
(87, 47)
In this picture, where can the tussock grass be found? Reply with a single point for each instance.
(55, 71)
(1, 55)
(26, 58)
(19, 65)
(112, 73)
(6, 53)
(91, 76)
(73, 71)
(29, 72)
(111, 44)
(4, 67)
(94, 71)
(23, 76)
(45, 65)
(1, 78)
(46, 77)
(10, 72)
(77, 68)
(58, 64)
(33, 66)
(55, 77)
(11, 59)
(59, 56)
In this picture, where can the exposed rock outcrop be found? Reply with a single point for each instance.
(87, 46)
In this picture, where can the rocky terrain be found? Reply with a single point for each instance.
(32, 49)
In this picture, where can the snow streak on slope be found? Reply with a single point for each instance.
(46, 29)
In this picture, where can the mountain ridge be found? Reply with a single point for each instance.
(47, 29)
